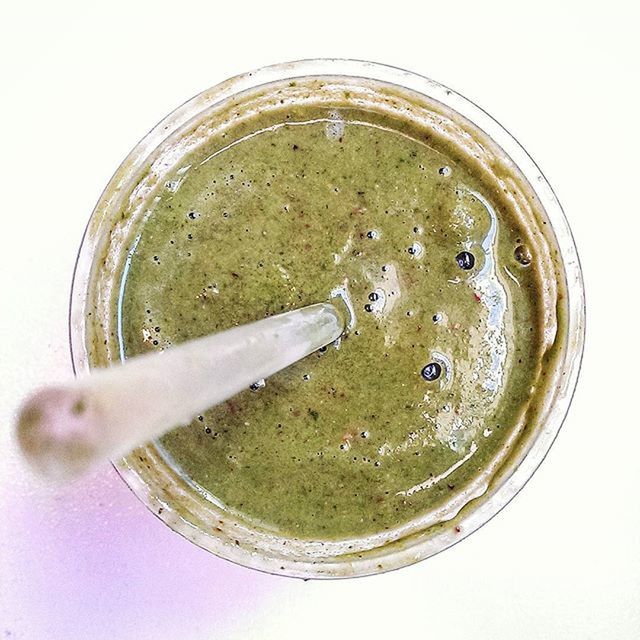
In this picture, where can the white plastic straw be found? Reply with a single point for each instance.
(67, 429)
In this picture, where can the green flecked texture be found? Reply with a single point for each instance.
(352, 440)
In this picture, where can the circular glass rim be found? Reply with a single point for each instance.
(400, 555)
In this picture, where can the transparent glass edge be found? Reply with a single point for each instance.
(575, 289)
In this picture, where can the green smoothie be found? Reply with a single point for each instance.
(446, 274)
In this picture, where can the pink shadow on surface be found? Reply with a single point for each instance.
(94, 563)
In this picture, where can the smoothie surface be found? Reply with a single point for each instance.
(439, 374)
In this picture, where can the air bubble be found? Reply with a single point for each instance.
(465, 260)
(522, 255)
(431, 371)
(415, 250)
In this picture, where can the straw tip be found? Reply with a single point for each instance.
(54, 432)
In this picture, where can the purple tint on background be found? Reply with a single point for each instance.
(89, 561)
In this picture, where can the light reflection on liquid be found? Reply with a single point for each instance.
(479, 372)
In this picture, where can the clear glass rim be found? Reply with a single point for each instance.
(513, 483)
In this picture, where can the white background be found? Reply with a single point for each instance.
(81, 82)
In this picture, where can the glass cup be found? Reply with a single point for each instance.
(91, 326)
